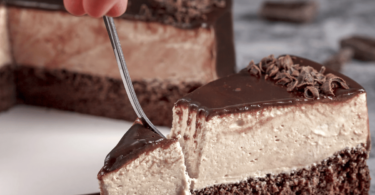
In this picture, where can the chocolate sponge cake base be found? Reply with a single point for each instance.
(96, 95)
(346, 172)
(7, 88)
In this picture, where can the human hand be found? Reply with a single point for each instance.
(96, 8)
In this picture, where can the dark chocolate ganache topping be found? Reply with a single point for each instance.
(249, 89)
(182, 13)
(136, 141)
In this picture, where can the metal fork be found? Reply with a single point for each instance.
(111, 28)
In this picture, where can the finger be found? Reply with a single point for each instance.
(118, 9)
(74, 7)
(98, 8)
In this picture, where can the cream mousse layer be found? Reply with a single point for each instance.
(274, 117)
(234, 147)
(144, 162)
(5, 57)
(57, 40)
(161, 171)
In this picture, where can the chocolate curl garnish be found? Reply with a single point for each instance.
(268, 59)
(288, 62)
(294, 72)
(260, 67)
(305, 77)
(284, 62)
(311, 92)
(295, 77)
(291, 86)
(271, 71)
(284, 81)
(322, 70)
(281, 75)
(332, 82)
(253, 69)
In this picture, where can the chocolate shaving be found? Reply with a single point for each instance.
(179, 12)
(291, 86)
(306, 79)
(253, 69)
(311, 92)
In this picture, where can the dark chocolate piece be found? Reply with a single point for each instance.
(289, 11)
(97, 95)
(363, 47)
(7, 88)
(338, 60)
(346, 172)
(136, 141)
(222, 96)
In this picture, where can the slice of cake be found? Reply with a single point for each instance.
(283, 126)
(144, 163)
(7, 86)
(67, 62)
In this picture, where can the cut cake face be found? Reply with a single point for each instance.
(243, 130)
(144, 163)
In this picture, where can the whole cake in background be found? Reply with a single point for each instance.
(66, 62)
(286, 125)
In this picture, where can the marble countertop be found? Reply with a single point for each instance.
(57, 152)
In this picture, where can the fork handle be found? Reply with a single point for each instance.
(111, 28)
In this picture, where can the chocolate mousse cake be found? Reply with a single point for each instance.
(171, 48)
(7, 86)
(286, 125)
(143, 162)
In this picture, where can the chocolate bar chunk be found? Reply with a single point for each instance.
(336, 61)
(289, 11)
(363, 47)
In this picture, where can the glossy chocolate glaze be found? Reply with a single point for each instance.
(136, 141)
(243, 92)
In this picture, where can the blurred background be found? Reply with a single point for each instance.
(57, 152)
